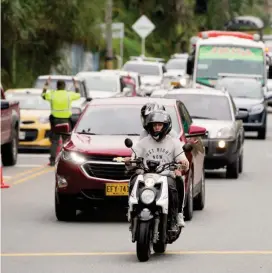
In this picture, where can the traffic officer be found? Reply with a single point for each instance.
(61, 110)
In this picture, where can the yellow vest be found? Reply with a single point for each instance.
(61, 102)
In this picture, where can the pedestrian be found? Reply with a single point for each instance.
(61, 110)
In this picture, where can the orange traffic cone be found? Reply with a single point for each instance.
(3, 185)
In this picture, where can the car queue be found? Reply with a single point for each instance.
(210, 120)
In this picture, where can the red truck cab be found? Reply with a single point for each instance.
(10, 120)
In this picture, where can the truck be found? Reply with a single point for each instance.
(10, 121)
(226, 52)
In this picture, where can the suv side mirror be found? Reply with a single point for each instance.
(241, 115)
(196, 131)
(189, 66)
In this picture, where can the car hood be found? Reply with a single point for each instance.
(26, 114)
(213, 126)
(151, 79)
(99, 144)
(101, 94)
(246, 103)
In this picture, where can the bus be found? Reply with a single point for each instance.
(226, 52)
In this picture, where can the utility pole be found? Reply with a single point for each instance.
(108, 21)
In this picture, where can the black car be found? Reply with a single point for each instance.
(216, 111)
(250, 97)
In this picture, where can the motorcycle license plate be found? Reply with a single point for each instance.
(116, 189)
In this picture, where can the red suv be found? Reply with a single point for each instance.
(86, 174)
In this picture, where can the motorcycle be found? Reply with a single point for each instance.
(148, 207)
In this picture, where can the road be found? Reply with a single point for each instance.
(232, 235)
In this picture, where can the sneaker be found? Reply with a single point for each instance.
(180, 220)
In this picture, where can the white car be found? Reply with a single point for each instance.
(134, 75)
(151, 71)
(103, 85)
(176, 66)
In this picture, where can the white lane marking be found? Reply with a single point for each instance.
(34, 155)
(6, 176)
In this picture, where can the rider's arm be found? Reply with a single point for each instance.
(180, 155)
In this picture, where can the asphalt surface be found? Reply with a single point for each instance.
(233, 234)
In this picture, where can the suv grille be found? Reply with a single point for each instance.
(107, 171)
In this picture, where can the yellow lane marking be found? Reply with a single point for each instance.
(48, 169)
(32, 170)
(216, 252)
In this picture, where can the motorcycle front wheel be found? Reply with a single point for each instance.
(143, 241)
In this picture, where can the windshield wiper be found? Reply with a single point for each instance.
(199, 117)
(86, 133)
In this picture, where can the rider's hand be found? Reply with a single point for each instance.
(127, 160)
(184, 164)
(178, 173)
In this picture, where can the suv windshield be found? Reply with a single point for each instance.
(143, 69)
(205, 106)
(53, 84)
(176, 64)
(106, 82)
(117, 120)
(30, 102)
(241, 88)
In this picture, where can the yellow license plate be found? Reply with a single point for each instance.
(116, 189)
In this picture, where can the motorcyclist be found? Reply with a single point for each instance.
(159, 145)
(145, 111)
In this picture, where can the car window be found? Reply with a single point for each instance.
(30, 102)
(101, 82)
(143, 69)
(205, 106)
(53, 84)
(117, 120)
(185, 120)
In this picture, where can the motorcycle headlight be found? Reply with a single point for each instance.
(147, 196)
(149, 182)
(256, 109)
(73, 157)
(44, 120)
(225, 133)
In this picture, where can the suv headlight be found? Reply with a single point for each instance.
(225, 133)
(44, 120)
(73, 157)
(147, 196)
(256, 109)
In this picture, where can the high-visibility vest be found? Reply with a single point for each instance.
(61, 102)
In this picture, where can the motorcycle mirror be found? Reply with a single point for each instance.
(188, 147)
(128, 143)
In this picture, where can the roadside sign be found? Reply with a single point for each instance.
(118, 32)
(143, 27)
